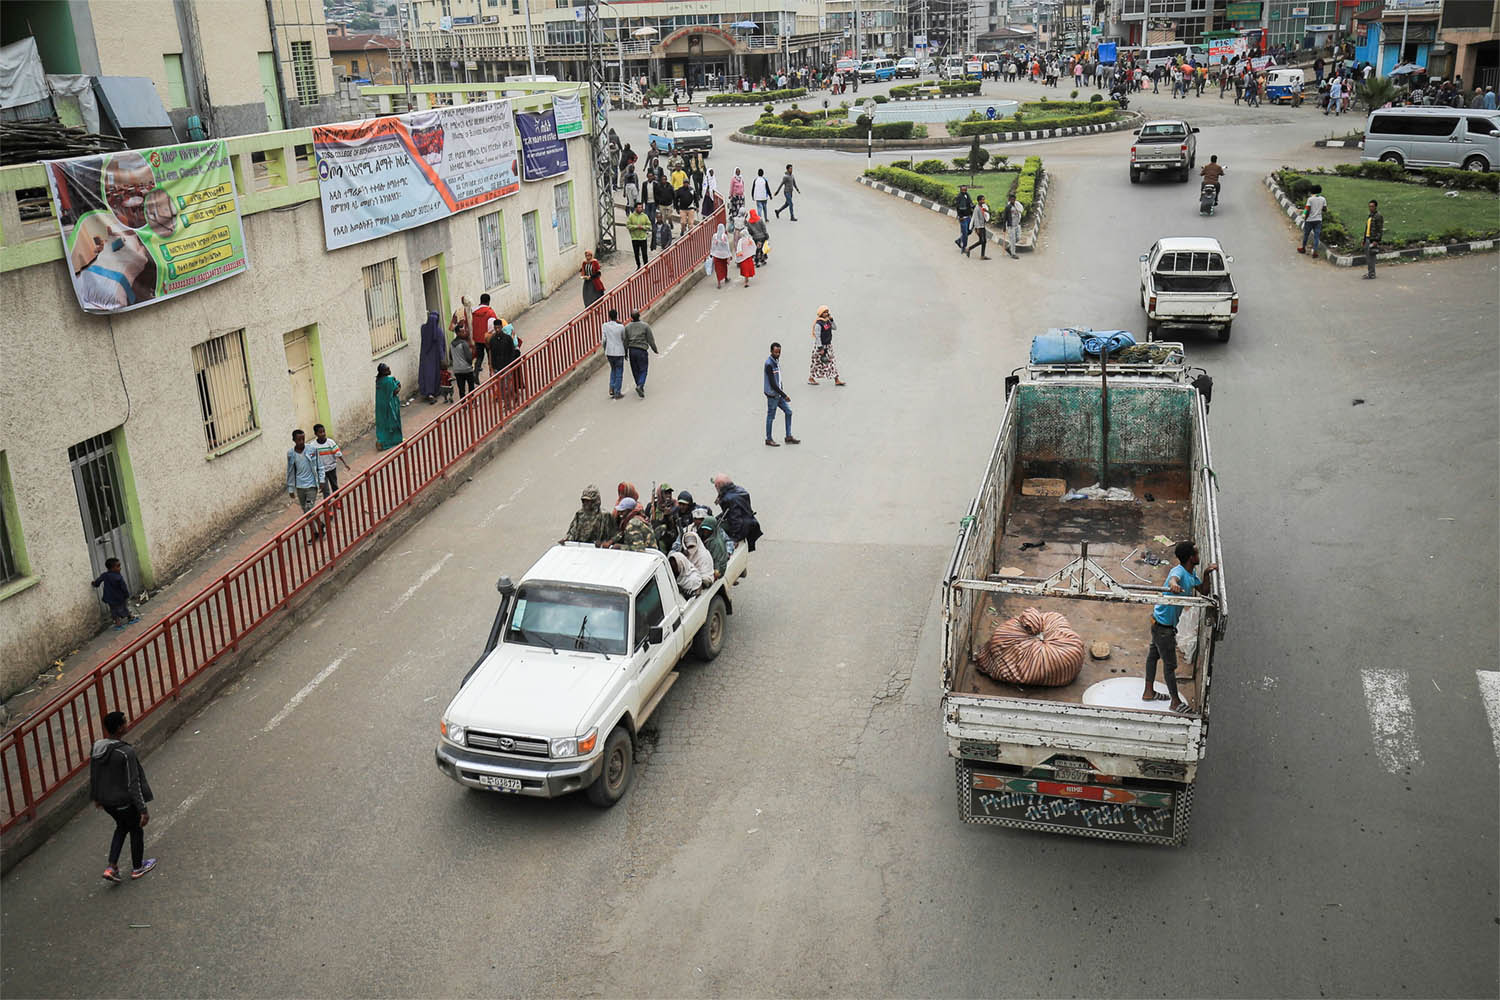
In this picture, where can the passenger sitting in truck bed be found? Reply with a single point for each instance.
(689, 581)
(1182, 580)
(664, 518)
(590, 523)
(694, 549)
(634, 533)
(713, 538)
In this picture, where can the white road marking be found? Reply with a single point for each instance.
(704, 314)
(673, 344)
(307, 689)
(431, 572)
(1489, 690)
(485, 521)
(161, 826)
(576, 435)
(1389, 702)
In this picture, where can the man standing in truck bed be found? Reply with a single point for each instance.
(1164, 619)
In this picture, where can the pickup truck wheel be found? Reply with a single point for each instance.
(1135, 177)
(1153, 327)
(619, 765)
(1224, 333)
(709, 641)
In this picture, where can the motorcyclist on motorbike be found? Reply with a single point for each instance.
(1211, 173)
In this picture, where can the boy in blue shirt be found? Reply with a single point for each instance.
(1164, 617)
(116, 594)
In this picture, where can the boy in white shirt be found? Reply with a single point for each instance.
(1312, 219)
(329, 456)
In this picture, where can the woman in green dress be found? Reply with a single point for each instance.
(387, 408)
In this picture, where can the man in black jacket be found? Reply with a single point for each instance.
(118, 785)
(738, 519)
(665, 198)
(964, 205)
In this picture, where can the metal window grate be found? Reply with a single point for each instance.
(305, 72)
(224, 389)
(562, 203)
(492, 250)
(382, 305)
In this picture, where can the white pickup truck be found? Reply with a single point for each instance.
(580, 654)
(1185, 282)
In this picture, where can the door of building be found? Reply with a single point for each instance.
(432, 286)
(268, 93)
(533, 243)
(101, 502)
(299, 371)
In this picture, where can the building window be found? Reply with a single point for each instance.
(305, 72)
(492, 250)
(224, 389)
(354, 67)
(13, 564)
(562, 201)
(382, 305)
(176, 85)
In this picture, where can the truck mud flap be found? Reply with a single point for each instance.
(1156, 815)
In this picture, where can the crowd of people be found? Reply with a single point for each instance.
(696, 543)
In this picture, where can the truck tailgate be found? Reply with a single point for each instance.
(1194, 304)
(1067, 726)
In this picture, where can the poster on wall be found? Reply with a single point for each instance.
(569, 111)
(142, 225)
(384, 175)
(543, 154)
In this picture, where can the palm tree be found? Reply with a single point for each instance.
(1380, 90)
(660, 92)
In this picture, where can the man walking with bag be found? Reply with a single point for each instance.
(117, 784)
(1010, 226)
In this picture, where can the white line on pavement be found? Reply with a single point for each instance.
(1389, 702)
(485, 521)
(161, 826)
(704, 314)
(431, 572)
(673, 344)
(1489, 690)
(307, 689)
(576, 435)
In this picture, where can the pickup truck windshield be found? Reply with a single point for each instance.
(1169, 131)
(558, 617)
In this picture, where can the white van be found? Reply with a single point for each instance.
(1434, 137)
(953, 68)
(1160, 55)
(681, 131)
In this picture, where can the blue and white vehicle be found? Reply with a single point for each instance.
(877, 70)
(681, 131)
(1284, 84)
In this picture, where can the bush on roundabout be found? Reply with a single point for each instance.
(757, 97)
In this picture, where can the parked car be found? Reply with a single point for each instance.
(1164, 144)
(907, 69)
(1434, 137)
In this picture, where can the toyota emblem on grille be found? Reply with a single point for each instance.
(506, 743)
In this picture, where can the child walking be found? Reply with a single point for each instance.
(116, 594)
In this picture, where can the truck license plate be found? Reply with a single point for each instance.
(500, 784)
(1075, 775)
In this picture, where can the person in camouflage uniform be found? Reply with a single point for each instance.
(590, 524)
(635, 533)
(664, 523)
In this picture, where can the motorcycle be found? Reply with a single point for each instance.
(1208, 198)
(1118, 96)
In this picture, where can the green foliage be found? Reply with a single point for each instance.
(1379, 91)
(770, 109)
(906, 180)
(773, 127)
(1074, 95)
(958, 88)
(1415, 213)
(757, 98)
(1462, 180)
(881, 99)
(977, 158)
(1096, 98)
(961, 162)
(1374, 171)
(928, 166)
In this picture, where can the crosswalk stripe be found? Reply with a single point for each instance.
(1388, 699)
(1489, 690)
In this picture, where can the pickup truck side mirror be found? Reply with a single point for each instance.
(1229, 260)
(1196, 130)
(710, 124)
(1136, 132)
(1144, 257)
(655, 635)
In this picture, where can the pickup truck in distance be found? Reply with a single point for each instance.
(1185, 282)
(580, 654)
(1164, 145)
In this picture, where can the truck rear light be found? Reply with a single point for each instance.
(1234, 306)
(1184, 147)
(1152, 306)
(1132, 150)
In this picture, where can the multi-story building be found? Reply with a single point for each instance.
(883, 27)
(239, 67)
(1142, 22)
(944, 23)
(366, 57)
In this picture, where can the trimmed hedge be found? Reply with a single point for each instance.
(1024, 121)
(953, 88)
(906, 180)
(774, 129)
(1026, 182)
(757, 97)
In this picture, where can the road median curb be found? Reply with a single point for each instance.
(1030, 234)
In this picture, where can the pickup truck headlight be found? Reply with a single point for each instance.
(453, 732)
(571, 746)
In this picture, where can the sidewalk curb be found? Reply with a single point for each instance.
(939, 142)
(1038, 208)
(59, 809)
(1358, 260)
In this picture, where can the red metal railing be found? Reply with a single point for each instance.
(52, 745)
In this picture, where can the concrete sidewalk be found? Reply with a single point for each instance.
(533, 326)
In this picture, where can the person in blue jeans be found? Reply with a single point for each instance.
(1164, 617)
(612, 334)
(776, 398)
(116, 594)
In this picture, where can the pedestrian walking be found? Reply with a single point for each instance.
(736, 192)
(1010, 226)
(1163, 643)
(505, 348)
(686, 204)
(786, 188)
(776, 398)
(304, 477)
(461, 355)
(631, 187)
(638, 337)
(1312, 219)
(430, 362)
(593, 279)
(1374, 230)
(115, 594)
(720, 252)
(744, 255)
(978, 226)
(612, 341)
(964, 206)
(479, 332)
(388, 406)
(638, 225)
(329, 456)
(760, 192)
(118, 785)
(823, 363)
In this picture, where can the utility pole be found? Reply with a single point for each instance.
(531, 44)
(858, 27)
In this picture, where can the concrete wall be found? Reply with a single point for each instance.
(70, 376)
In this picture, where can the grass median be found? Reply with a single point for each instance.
(1414, 213)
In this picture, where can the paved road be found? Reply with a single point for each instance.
(792, 829)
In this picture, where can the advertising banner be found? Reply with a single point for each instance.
(142, 225)
(569, 112)
(387, 174)
(543, 154)
(1226, 49)
(1242, 11)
